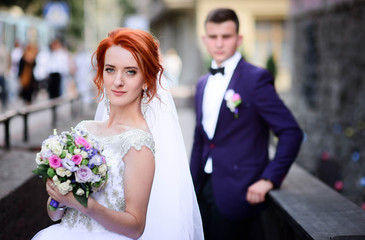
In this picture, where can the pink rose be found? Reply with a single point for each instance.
(236, 97)
(77, 159)
(82, 141)
(54, 161)
(83, 175)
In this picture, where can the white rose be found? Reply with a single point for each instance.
(39, 160)
(69, 155)
(68, 173)
(46, 142)
(80, 192)
(46, 153)
(56, 149)
(102, 169)
(55, 180)
(77, 151)
(51, 142)
(231, 106)
(229, 94)
(84, 154)
(63, 172)
(44, 148)
(65, 187)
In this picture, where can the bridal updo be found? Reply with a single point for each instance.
(145, 50)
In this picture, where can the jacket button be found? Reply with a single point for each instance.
(211, 145)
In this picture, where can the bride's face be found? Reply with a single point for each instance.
(123, 79)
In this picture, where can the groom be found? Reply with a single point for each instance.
(236, 108)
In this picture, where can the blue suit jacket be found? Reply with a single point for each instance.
(239, 147)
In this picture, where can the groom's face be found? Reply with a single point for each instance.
(221, 40)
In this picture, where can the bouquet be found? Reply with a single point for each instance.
(74, 162)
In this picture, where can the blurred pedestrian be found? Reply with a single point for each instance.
(13, 81)
(173, 65)
(41, 69)
(26, 73)
(58, 68)
(4, 70)
(237, 107)
(84, 75)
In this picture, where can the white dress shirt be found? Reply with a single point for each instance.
(214, 92)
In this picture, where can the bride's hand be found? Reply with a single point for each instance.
(64, 200)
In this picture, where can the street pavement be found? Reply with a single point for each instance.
(17, 163)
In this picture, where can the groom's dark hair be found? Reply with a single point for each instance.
(220, 15)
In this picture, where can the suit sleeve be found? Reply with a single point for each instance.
(197, 152)
(283, 124)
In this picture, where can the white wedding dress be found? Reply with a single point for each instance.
(75, 225)
(173, 212)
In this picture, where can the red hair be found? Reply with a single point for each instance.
(145, 50)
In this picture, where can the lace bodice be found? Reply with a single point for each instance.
(112, 196)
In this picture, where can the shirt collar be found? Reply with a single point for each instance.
(230, 63)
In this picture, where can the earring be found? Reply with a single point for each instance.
(107, 105)
(144, 102)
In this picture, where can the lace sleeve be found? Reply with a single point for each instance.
(137, 139)
(81, 126)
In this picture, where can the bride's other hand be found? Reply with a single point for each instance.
(67, 200)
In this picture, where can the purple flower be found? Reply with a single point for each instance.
(83, 175)
(46, 153)
(69, 165)
(91, 152)
(97, 160)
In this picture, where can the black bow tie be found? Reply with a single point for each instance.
(213, 71)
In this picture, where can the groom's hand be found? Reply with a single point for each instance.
(256, 192)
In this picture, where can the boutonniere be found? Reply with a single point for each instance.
(233, 100)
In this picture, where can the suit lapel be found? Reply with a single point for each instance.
(232, 85)
(235, 77)
(200, 95)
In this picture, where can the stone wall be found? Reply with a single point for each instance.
(329, 80)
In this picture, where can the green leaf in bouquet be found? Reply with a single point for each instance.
(63, 155)
(71, 149)
(63, 179)
(69, 136)
(81, 199)
(41, 170)
(70, 142)
(84, 162)
(51, 172)
(95, 170)
(96, 184)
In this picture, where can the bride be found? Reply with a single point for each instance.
(149, 194)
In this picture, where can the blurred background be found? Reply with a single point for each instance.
(314, 48)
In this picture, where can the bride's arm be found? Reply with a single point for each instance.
(54, 215)
(138, 177)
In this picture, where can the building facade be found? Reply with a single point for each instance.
(328, 71)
